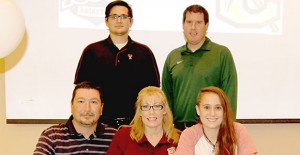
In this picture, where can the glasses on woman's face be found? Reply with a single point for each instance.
(116, 17)
(154, 107)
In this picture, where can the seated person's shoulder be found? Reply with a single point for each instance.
(56, 128)
(125, 128)
(240, 129)
(238, 126)
(123, 132)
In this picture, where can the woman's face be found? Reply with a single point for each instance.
(152, 112)
(210, 111)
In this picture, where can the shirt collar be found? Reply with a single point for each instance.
(205, 47)
(110, 42)
(163, 140)
(100, 129)
(70, 126)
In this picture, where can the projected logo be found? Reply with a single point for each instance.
(253, 15)
(82, 13)
(226, 16)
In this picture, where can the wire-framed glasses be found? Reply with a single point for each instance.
(154, 107)
(116, 17)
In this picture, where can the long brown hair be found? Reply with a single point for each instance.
(227, 140)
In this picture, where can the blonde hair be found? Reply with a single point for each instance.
(137, 126)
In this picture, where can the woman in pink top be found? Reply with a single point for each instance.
(216, 133)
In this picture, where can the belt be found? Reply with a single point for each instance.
(183, 125)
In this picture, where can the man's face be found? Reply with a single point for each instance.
(118, 26)
(86, 107)
(194, 28)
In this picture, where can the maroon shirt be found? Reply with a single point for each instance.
(121, 74)
(122, 144)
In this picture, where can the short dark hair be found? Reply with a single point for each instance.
(196, 9)
(87, 85)
(118, 3)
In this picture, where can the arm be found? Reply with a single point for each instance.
(84, 68)
(45, 145)
(245, 144)
(229, 80)
(167, 83)
(187, 141)
(153, 71)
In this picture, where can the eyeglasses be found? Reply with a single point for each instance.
(154, 107)
(116, 17)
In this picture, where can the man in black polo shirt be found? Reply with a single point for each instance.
(119, 65)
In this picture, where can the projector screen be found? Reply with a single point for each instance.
(262, 35)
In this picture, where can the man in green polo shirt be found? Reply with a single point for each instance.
(197, 64)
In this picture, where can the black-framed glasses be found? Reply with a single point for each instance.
(116, 17)
(154, 107)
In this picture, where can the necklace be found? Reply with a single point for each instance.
(211, 143)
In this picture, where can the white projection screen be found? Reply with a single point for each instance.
(263, 36)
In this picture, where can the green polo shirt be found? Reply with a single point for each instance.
(186, 72)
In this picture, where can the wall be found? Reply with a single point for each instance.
(261, 63)
(16, 139)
